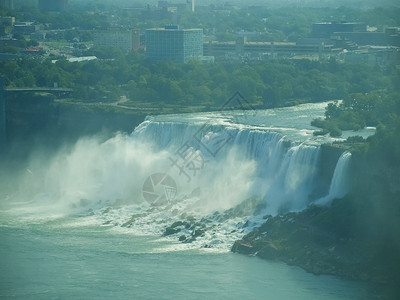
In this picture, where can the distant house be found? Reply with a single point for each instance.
(33, 51)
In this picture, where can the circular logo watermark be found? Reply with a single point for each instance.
(159, 189)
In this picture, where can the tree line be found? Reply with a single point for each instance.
(265, 84)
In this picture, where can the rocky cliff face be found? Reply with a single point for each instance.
(310, 240)
(356, 237)
(329, 156)
(38, 118)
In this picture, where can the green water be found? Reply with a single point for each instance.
(50, 260)
(64, 232)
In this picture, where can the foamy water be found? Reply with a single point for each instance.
(211, 176)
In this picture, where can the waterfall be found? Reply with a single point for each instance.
(206, 171)
(285, 173)
(340, 181)
(295, 180)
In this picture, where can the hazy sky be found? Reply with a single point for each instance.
(323, 3)
(266, 2)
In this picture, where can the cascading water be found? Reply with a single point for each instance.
(219, 174)
(284, 175)
(340, 181)
(154, 214)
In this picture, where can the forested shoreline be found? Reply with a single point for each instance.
(265, 84)
(365, 222)
(357, 236)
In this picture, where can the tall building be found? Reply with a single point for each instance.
(7, 4)
(174, 43)
(53, 5)
(124, 39)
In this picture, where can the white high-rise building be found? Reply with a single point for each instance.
(174, 43)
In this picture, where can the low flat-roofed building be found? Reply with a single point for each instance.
(325, 30)
(24, 27)
(374, 55)
(243, 48)
(390, 37)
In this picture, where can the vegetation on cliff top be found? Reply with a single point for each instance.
(359, 110)
(264, 83)
(357, 236)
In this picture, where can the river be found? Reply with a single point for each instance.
(153, 215)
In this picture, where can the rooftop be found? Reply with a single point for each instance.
(174, 28)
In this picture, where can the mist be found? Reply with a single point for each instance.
(94, 173)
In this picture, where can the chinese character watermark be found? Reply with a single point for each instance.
(160, 188)
(213, 138)
(188, 160)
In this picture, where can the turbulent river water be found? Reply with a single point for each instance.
(152, 215)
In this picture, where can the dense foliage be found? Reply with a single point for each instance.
(359, 110)
(370, 214)
(264, 83)
(366, 221)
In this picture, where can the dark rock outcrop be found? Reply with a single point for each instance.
(176, 227)
(320, 240)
